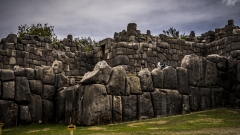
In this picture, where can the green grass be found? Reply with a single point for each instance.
(218, 121)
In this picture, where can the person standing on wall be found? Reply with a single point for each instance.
(164, 64)
(159, 65)
(142, 64)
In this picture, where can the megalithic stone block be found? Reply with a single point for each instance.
(35, 108)
(182, 77)
(170, 78)
(174, 102)
(195, 66)
(116, 84)
(9, 113)
(145, 107)
(117, 109)
(24, 115)
(129, 108)
(146, 80)
(157, 78)
(159, 103)
(194, 98)
(96, 105)
(22, 92)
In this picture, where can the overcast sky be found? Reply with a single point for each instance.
(99, 19)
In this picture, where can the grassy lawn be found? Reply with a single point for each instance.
(218, 121)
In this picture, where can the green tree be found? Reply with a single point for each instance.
(39, 30)
(172, 32)
(86, 42)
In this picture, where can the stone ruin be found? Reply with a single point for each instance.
(41, 82)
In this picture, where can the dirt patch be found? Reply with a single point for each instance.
(232, 111)
(206, 121)
(143, 123)
(96, 128)
(34, 131)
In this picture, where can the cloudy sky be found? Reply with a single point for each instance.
(99, 19)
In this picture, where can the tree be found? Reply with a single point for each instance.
(172, 32)
(86, 42)
(39, 30)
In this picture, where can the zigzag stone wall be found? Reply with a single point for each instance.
(39, 81)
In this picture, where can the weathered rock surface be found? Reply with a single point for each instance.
(61, 81)
(8, 90)
(35, 108)
(133, 85)
(205, 98)
(157, 78)
(116, 84)
(117, 109)
(30, 74)
(48, 111)
(174, 102)
(182, 77)
(48, 76)
(145, 80)
(194, 98)
(36, 86)
(159, 103)
(186, 105)
(100, 74)
(22, 93)
(24, 115)
(145, 107)
(211, 75)
(170, 78)
(129, 108)
(57, 66)
(195, 66)
(48, 92)
(96, 105)
(6, 75)
(9, 113)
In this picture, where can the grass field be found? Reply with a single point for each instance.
(218, 121)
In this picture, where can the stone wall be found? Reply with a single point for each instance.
(31, 51)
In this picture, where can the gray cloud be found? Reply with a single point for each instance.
(99, 19)
(230, 2)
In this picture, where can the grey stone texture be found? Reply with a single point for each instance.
(22, 90)
(129, 108)
(157, 78)
(159, 103)
(133, 85)
(96, 105)
(145, 107)
(24, 115)
(35, 108)
(9, 113)
(145, 80)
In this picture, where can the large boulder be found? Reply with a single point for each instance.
(96, 105)
(8, 90)
(48, 92)
(217, 97)
(195, 66)
(170, 78)
(38, 72)
(35, 108)
(36, 86)
(159, 103)
(157, 77)
(121, 59)
(24, 115)
(194, 98)
(211, 74)
(116, 84)
(146, 80)
(68, 104)
(48, 111)
(133, 85)
(117, 109)
(6, 75)
(48, 76)
(174, 102)
(61, 81)
(9, 113)
(57, 66)
(221, 61)
(19, 71)
(205, 98)
(129, 108)
(100, 74)
(182, 80)
(185, 104)
(11, 38)
(22, 92)
(30, 74)
(145, 107)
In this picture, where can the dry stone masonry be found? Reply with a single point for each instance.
(41, 82)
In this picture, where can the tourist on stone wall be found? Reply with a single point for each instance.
(164, 64)
(159, 65)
